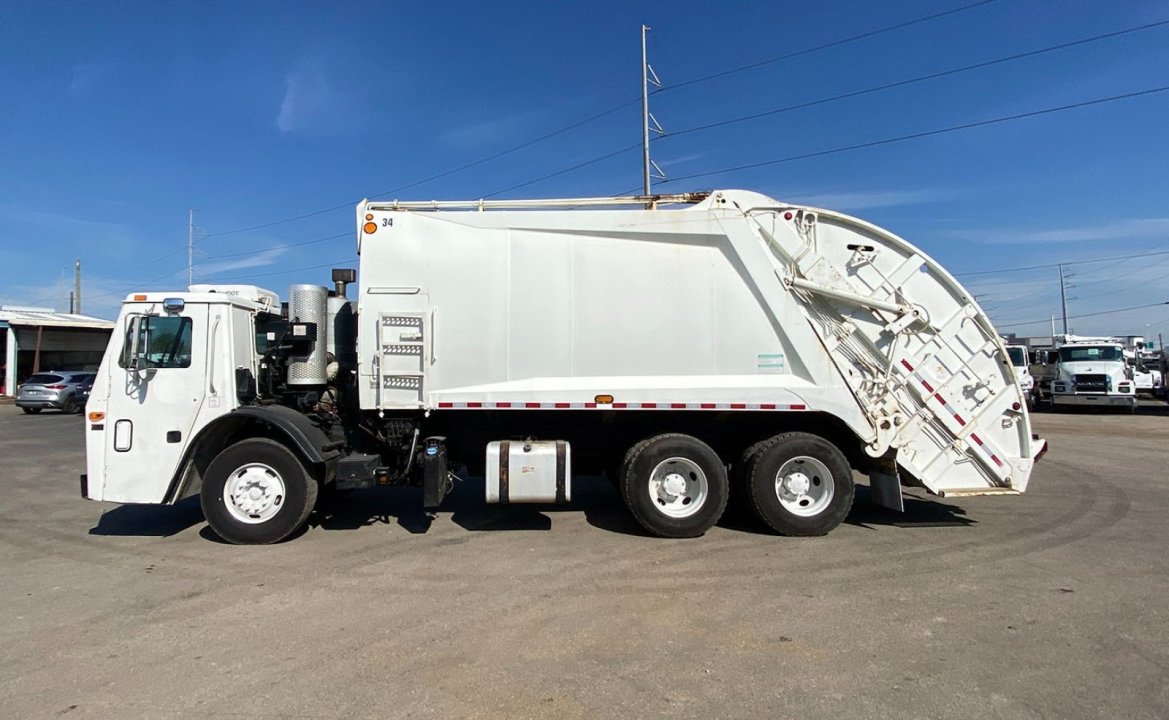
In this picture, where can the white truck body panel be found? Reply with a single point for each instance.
(740, 302)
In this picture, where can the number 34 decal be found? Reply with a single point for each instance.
(387, 222)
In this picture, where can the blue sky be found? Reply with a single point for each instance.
(116, 117)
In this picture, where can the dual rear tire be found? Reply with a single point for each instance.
(796, 483)
(675, 485)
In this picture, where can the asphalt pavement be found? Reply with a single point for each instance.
(1049, 604)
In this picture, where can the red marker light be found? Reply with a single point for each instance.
(787, 216)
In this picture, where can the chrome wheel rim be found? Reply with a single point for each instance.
(254, 493)
(804, 486)
(678, 487)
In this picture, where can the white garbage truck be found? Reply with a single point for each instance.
(690, 347)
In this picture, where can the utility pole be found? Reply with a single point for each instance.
(1063, 302)
(76, 285)
(191, 247)
(70, 302)
(648, 76)
(644, 114)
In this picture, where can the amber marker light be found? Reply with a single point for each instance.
(370, 228)
(97, 416)
(139, 298)
(603, 399)
(369, 216)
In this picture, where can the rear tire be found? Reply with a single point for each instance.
(740, 482)
(675, 485)
(31, 411)
(69, 406)
(800, 484)
(257, 492)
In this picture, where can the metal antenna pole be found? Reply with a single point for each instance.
(644, 115)
(77, 284)
(1063, 301)
(190, 247)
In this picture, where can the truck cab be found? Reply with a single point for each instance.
(1144, 371)
(1093, 374)
(177, 363)
(1019, 359)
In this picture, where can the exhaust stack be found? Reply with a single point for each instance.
(309, 303)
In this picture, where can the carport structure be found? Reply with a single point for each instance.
(35, 339)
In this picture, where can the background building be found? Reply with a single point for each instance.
(36, 339)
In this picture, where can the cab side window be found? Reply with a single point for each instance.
(163, 342)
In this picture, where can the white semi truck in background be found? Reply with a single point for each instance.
(1019, 359)
(1092, 372)
(736, 344)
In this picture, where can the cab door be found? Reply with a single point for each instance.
(156, 388)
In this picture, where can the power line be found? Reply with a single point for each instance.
(279, 247)
(446, 173)
(827, 45)
(1069, 262)
(606, 113)
(920, 78)
(333, 263)
(1085, 315)
(1127, 286)
(578, 166)
(925, 133)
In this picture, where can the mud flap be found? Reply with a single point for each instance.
(435, 478)
(885, 485)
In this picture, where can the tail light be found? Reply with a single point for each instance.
(56, 387)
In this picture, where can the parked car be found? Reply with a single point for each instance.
(63, 390)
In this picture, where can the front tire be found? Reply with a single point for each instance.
(800, 484)
(257, 492)
(675, 485)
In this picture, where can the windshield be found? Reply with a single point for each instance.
(1089, 353)
(1018, 356)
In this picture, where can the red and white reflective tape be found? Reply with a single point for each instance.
(616, 406)
(936, 395)
(985, 447)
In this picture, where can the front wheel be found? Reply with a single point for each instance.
(675, 485)
(257, 492)
(800, 484)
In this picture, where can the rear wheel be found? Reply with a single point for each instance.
(69, 406)
(31, 411)
(257, 492)
(675, 485)
(740, 481)
(800, 484)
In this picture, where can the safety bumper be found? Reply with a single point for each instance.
(1098, 400)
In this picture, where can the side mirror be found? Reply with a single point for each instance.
(130, 356)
